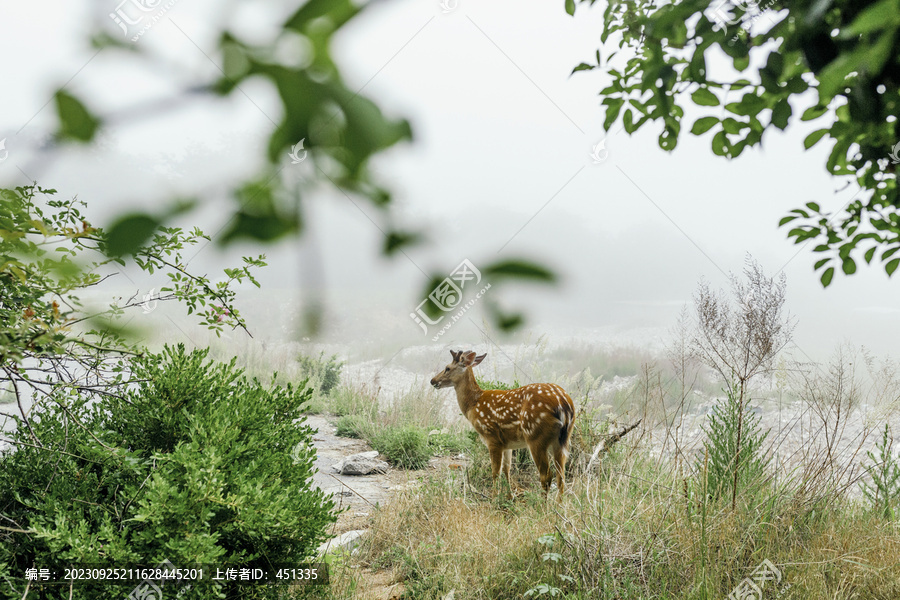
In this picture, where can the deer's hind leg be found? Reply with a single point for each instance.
(538, 451)
(559, 461)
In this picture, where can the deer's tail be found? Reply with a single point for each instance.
(566, 415)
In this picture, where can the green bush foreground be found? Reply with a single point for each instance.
(193, 463)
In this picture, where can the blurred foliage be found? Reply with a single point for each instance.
(353, 426)
(490, 384)
(193, 463)
(325, 372)
(848, 51)
(323, 122)
(447, 442)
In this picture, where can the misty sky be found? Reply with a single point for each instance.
(500, 165)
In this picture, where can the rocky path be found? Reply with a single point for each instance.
(356, 496)
(358, 493)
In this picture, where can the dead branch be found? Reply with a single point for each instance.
(606, 444)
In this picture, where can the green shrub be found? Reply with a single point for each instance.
(353, 426)
(326, 372)
(192, 464)
(490, 384)
(450, 443)
(405, 446)
(722, 456)
(884, 490)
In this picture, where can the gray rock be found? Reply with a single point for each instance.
(364, 463)
(346, 541)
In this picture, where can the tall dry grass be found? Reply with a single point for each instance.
(631, 531)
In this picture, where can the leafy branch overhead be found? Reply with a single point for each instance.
(49, 253)
(834, 63)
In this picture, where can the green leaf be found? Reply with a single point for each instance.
(704, 124)
(509, 321)
(76, 122)
(813, 206)
(874, 18)
(613, 106)
(628, 121)
(260, 227)
(813, 112)
(733, 126)
(849, 266)
(720, 144)
(583, 67)
(796, 85)
(827, 276)
(333, 12)
(813, 138)
(868, 57)
(129, 233)
(775, 64)
(785, 220)
(870, 253)
(821, 263)
(704, 97)
(367, 130)
(396, 240)
(892, 266)
(570, 7)
(697, 67)
(781, 114)
(518, 269)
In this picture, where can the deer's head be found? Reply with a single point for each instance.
(456, 370)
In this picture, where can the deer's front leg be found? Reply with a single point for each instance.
(496, 464)
(507, 463)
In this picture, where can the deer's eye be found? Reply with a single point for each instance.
(446, 369)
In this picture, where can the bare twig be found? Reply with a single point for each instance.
(604, 445)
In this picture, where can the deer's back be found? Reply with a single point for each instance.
(509, 417)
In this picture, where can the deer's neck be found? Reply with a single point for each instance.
(467, 392)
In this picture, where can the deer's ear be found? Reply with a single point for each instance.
(468, 358)
(478, 359)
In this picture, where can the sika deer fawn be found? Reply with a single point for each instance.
(539, 416)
